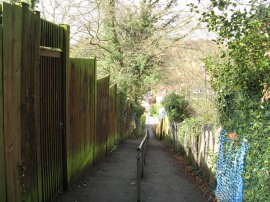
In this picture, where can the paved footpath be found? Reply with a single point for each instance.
(114, 180)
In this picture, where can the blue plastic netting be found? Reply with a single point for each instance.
(230, 168)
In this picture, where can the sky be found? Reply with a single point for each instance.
(46, 8)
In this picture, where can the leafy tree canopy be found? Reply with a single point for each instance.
(129, 38)
(136, 45)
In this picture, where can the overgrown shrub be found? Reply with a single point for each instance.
(137, 112)
(142, 123)
(239, 80)
(177, 107)
(250, 120)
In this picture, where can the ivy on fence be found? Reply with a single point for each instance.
(230, 168)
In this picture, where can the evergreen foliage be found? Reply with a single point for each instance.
(132, 55)
(176, 106)
(239, 78)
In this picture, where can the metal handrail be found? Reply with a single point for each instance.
(141, 151)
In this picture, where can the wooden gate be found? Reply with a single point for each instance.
(51, 126)
(51, 110)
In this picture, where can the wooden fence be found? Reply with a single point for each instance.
(56, 119)
(21, 101)
(102, 117)
(52, 142)
(2, 137)
(201, 149)
(113, 117)
(81, 115)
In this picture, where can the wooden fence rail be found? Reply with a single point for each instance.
(56, 119)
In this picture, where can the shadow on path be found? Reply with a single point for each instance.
(114, 180)
(163, 179)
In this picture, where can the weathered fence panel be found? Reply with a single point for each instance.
(20, 34)
(33, 118)
(102, 117)
(65, 64)
(162, 128)
(112, 133)
(29, 102)
(81, 111)
(117, 117)
(51, 139)
(206, 146)
(128, 121)
(12, 33)
(2, 137)
(51, 35)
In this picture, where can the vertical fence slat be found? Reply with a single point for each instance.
(59, 150)
(64, 37)
(52, 141)
(29, 133)
(81, 85)
(69, 116)
(111, 119)
(42, 119)
(55, 126)
(51, 127)
(94, 106)
(36, 87)
(2, 138)
(102, 117)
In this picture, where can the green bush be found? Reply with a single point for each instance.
(143, 122)
(137, 111)
(250, 121)
(154, 109)
(177, 107)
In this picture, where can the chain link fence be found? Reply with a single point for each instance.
(230, 169)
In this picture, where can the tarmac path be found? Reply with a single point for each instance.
(114, 180)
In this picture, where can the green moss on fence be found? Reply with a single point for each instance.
(79, 162)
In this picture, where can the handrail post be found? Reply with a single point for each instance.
(138, 176)
(141, 150)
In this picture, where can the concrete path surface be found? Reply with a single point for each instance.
(114, 180)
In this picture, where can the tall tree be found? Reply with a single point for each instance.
(129, 37)
(139, 38)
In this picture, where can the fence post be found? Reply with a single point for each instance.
(12, 24)
(2, 138)
(29, 99)
(65, 64)
(142, 161)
